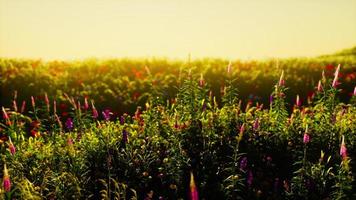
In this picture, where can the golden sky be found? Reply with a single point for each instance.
(76, 29)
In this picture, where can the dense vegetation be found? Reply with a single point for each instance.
(67, 146)
(206, 128)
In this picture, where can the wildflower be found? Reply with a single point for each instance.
(306, 137)
(320, 87)
(354, 91)
(122, 120)
(23, 106)
(86, 105)
(14, 104)
(201, 81)
(12, 147)
(6, 180)
(241, 133)
(298, 102)
(124, 136)
(243, 164)
(281, 80)
(69, 123)
(336, 75)
(256, 124)
(4, 114)
(249, 178)
(106, 114)
(95, 112)
(193, 189)
(33, 102)
(343, 150)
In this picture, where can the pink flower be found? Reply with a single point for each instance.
(12, 147)
(23, 106)
(343, 149)
(6, 180)
(355, 91)
(336, 75)
(14, 104)
(320, 86)
(86, 105)
(193, 189)
(306, 138)
(33, 102)
(201, 81)
(4, 114)
(281, 80)
(297, 102)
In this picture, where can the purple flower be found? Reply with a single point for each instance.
(276, 184)
(122, 120)
(249, 178)
(203, 107)
(243, 164)
(69, 123)
(271, 99)
(106, 114)
(256, 124)
(125, 136)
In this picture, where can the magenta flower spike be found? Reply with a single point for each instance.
(69, 124)
(201, 81)
(4, 114)
(23, 106)
(281, 79)
(6, 180)
(297, 102)
(336, 75)
(86, 105)
(14, 104)
(33, 102)
(343, 149)
(306, 137)
(12, 147)
(320, 87)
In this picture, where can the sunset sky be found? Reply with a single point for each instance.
(77, 29)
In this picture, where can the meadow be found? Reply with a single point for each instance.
(170, 129)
